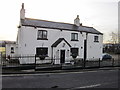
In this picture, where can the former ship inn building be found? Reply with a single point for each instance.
(61, 41)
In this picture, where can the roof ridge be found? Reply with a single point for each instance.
(49, 21)
(57, 25)
(56, 22)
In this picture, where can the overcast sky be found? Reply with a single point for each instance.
(100, 14)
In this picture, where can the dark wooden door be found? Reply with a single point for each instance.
(62, 56)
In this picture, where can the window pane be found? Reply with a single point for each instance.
(96, 38)
(74, 36)
(44, 34)
(39, 34)
(74, 51)
(42, 51)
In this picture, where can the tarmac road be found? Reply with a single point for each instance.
(68, 80)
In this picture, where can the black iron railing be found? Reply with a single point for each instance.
(24, 60)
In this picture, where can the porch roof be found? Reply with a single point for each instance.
(58, 41)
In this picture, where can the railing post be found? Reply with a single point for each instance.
(52, 61)
(99, 62)
(84, 63)
(1, 57)
(112, 61)
(35, 61)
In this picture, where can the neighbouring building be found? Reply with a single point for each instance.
(10, 48)
(56, 40)
(111, 48)
(6, 44)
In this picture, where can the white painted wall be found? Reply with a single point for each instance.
(27, 40)
(94, 49)
(27, 43)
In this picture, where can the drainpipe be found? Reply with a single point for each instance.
(52, 55)
(86, 43)
(85, 52)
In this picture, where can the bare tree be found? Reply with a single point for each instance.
(114, 38)
(119, 36)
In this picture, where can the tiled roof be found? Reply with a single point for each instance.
(57, 25)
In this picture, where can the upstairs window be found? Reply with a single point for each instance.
(42, 35)
(74, 36)
(96, 39)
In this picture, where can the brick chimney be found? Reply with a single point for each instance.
(77, 21)
(22, 12)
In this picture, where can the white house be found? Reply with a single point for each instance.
(60, 41)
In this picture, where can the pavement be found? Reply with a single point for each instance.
(33, 71)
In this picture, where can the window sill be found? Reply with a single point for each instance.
(74, 40)
(96, 41)
(42, 55)
(42, 39)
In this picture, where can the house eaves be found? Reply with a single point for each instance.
(57, 25)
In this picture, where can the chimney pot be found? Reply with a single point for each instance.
(22, 12)
(77, 21)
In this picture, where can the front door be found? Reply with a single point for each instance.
(62, 56)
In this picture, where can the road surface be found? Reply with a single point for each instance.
(68, 80)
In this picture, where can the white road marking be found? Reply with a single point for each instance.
(90, 86)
